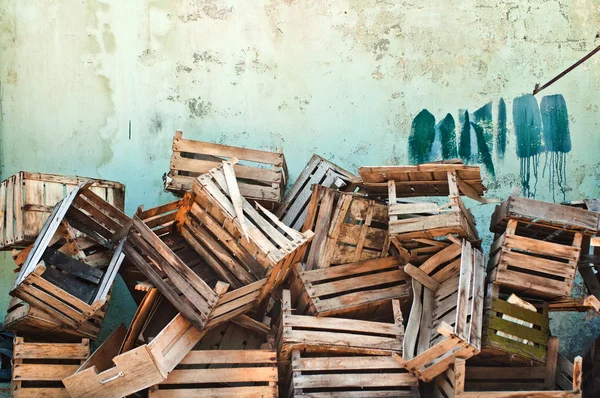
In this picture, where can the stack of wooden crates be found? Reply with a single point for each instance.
(370, 286)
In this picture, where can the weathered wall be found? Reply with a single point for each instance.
(97, 88)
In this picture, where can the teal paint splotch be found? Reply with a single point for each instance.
(464, 145)
(421, 137)
(447, 128)
(557, 139)
(528, 130)
(501, 135)
(484, 155)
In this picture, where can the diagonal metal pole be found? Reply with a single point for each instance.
(537, 88)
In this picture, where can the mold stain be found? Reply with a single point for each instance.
(421, 137)
(501, 129)
(557, 140)
(528, 131)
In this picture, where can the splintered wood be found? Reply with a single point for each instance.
(262, 175)
(27, 199)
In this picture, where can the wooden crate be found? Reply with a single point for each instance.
(410, 219)
(27, 199)
(533, 266)
(347, 288)
(25, 320)
(262, 175)
(348, 228)
(335, 375)
(559, 378)
(240, 373)
(207, 220)
(294, 207)
(39, 368)
(325, 334)
(59, 283)
(513, 350)
(238, 225)
(544, 220)
(446, 316)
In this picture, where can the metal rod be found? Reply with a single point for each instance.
(537, 87)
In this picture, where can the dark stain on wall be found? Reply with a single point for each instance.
(501, 132)
(421, 137)
(464, 145)
(447, 134)
(483, 152)
(528, 130)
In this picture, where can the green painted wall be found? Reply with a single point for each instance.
(343, 78)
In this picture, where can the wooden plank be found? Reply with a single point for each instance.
(52, 350)
(42, 372)
(201, 147)
(238, 392)
(464, 291)
(422, 277)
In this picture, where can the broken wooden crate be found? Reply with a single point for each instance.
(233, 373)
(347, 288)
(249, 250)
(326, 334)
(513, 334)
(416, 218)
(25, 320)
(262, 175)
(39, 368)
(27, 199)
(537, 246)
(559, 378)
(348, 227)
(318, 171)
(108, 373)
(57, 282)
(446, 315)
(339, 375)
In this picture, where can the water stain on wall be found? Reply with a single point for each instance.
(528, 130)
(557, 139)
(421, 137)
(501, 129)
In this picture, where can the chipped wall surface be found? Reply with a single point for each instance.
(97, 88)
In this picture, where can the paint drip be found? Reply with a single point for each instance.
(501, 129)
(447, 129)
(557, 140)
(528, 129)
(483, 153)
(464, 146)
(422, 136)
